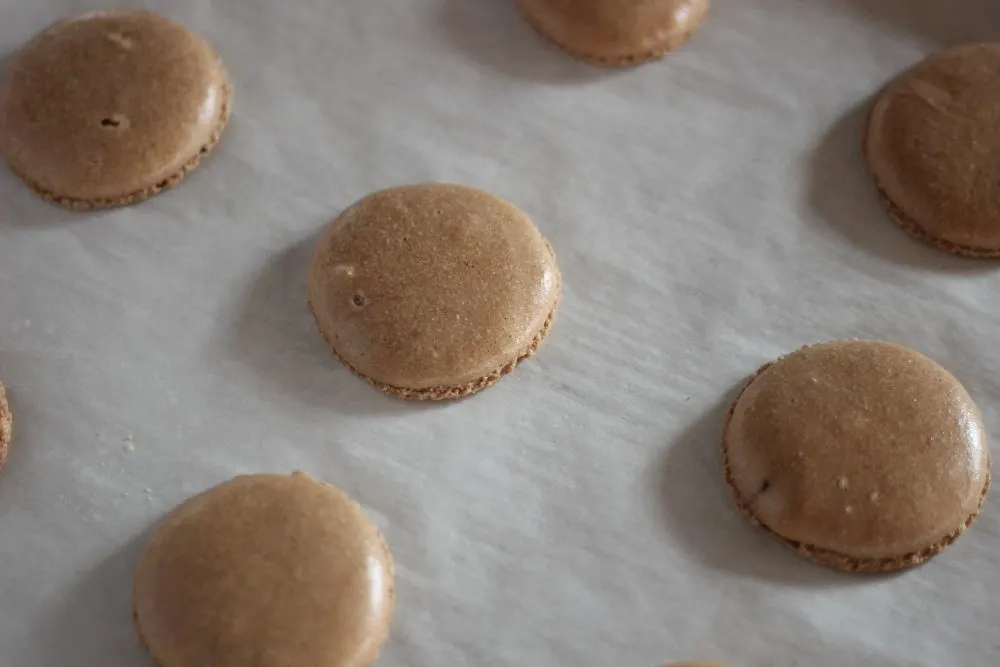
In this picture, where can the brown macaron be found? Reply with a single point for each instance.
(933, 149)
(433, 291)
(861, 455)
(109, 108)
(6, 425)
(615, 33)
(265, 570)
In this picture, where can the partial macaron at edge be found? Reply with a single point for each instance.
(894, 211)
(592, 57)
(911, 227)
(377, 642)
(444, 393)
(6, 424)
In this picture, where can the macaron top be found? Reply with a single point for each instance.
(616, 29)
(864, 448)
(432, 285)
(265, 570)
(109, 103)
(933, 146)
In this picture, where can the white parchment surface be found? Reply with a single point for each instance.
(709, 213)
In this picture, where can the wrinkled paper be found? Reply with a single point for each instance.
(709, 213)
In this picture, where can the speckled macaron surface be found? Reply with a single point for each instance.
(862, 455)
(433, 291)
(110, 108)
(6, 424)
(616, 32)
(265, 570)
(933, 150)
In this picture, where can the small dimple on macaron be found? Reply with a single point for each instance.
(116, 121)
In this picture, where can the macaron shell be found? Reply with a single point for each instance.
(616, 32)
(111, 107)
(863, 455)
(933, 149)
(6, 425)
(433, 287)
(265, 569)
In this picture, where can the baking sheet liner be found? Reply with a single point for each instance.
(709, 212)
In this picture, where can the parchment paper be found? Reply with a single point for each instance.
(709, 212)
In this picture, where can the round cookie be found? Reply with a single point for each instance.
(433, 291)
(265, 569)
(110, 108)
(933, 149)
(6, 425)
(615, 33)
(861, 455)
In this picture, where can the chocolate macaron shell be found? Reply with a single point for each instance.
(109, 108)
(616, 33)
(433, 290)
(6, 425)
(863, 455)
(932, 146)
(265, 565)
